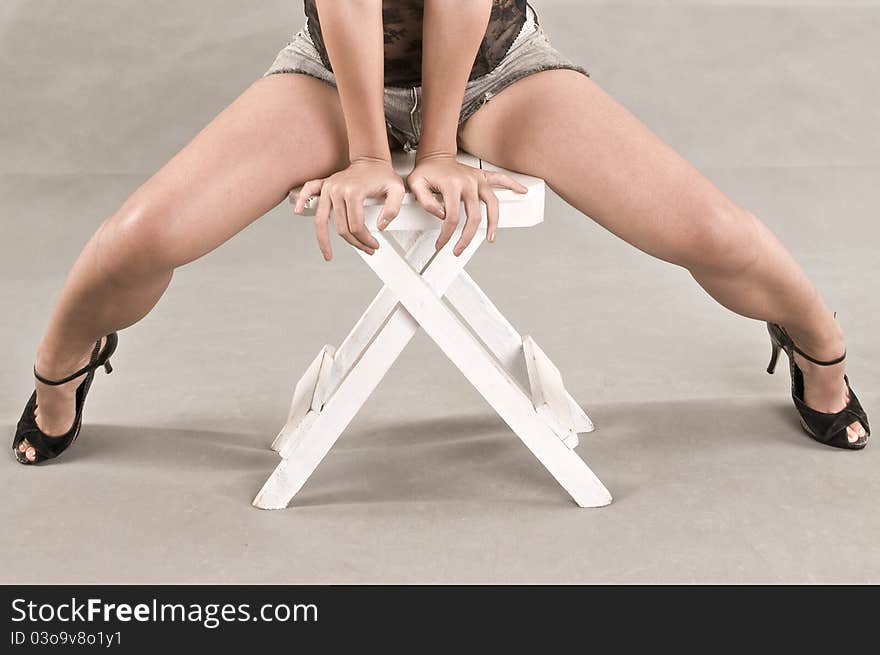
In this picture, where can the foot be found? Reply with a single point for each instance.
(824, 387)
(56, 405)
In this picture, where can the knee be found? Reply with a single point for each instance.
(725, 239)
(135, 242)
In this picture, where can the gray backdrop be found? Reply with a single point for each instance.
(775, 101)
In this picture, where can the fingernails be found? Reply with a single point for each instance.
(382, 224)
(492, 238)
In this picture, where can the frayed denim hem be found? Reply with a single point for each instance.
(471, 108)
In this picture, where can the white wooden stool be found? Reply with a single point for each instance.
(422, 288)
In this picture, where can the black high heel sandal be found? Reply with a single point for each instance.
(49, 447)
(826, 428)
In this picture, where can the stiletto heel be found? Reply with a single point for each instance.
(47, 446)
(825, 427)
(774, 356)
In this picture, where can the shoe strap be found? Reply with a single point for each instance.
(819, 362)
(808, 357)
(91, 366)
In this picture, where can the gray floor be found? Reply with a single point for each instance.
(713, 479)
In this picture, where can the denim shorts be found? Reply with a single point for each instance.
(531, 52)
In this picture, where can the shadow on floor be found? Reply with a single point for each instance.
(452, 458)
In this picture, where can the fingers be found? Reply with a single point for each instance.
(340, 219)
(467, 189)
(354, 209)
(348, 217)
(308, 190)
(322, 231)
(422, 191)
(343, 195)
(488, 196)
(322, 214)
(393, 201)
(494, 178)
(472, 222)
(451, 201)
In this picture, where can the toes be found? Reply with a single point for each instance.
(854, 432)
(27, 450)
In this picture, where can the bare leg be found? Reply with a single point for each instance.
(283, 130)
(602, 160)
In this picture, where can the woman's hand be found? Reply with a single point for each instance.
(344, 192)
(457, 183)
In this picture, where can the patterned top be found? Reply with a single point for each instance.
(402, 21)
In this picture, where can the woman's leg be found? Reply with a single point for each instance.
(283, 130)
(602, 160)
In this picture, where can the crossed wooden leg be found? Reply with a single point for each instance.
(503, 366)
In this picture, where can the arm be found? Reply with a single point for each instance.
(353, 36)
(452, 32)
(352, 33)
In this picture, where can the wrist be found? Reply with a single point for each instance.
(439, 133)
(355, 160)
(433, 154)
(364, 147)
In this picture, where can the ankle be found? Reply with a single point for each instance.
(824, 340)
(55, 364)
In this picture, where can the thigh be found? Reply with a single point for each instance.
(283, 130)
(561, 126)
